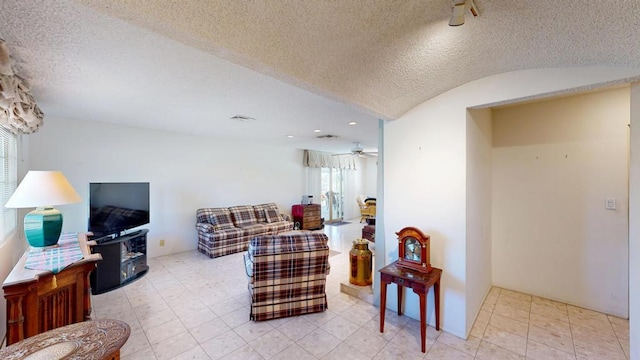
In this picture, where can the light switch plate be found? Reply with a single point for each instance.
(610, 203)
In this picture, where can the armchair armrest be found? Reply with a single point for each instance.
(204, 227)
(248, 265)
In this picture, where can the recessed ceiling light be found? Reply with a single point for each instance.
(289, 136)
(317, 131)
(353, 123)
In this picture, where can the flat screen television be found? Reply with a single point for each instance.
(117, 207)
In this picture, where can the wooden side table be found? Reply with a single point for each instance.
(89, 340)
(420, 283)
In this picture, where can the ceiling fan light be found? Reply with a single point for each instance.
(459, 8)
(457, 16)
(473, 8)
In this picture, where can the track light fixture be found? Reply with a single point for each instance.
(459, 8)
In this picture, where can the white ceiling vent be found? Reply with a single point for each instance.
(242, 118)
(328, 136)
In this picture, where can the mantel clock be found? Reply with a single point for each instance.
(413, 249)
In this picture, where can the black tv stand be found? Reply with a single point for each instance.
(135, 233)
(124, 259)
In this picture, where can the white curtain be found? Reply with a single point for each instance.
(319, 159)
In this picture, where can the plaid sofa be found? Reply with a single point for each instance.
(223, 231)
(287, 274)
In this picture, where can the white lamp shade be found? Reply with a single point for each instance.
(42, 188)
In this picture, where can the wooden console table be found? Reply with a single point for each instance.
(38, 301)
(420, 283)
(89, 340)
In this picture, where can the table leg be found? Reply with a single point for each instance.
(86, 306)
(383, 303)
(423, 318)
(436, 298)
(399, 299)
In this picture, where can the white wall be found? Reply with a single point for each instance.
(362, 181)
(355, 181)
(425, 171)
(554, 163)
(380, 259)
(313, 184)
(370, 182)
(634, 225)
(424, 186)
(478, 271)
(185, 173)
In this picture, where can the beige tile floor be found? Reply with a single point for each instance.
(192, 307)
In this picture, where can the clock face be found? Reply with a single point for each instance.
(412, 249)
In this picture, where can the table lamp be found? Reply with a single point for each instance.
(42, 190)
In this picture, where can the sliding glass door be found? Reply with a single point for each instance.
(332, 194)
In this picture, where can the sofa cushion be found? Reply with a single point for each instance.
(275, 228)
(243, 215)
(228, 236)
(220, 217)
(255, 229)
(272, 215)
(289, 243)
(260, 211)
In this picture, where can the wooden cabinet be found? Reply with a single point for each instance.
(307, 215)
(38, 301)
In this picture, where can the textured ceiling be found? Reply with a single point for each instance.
(337, 60)
(388, 56)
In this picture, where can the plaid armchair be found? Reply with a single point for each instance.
(287, 274)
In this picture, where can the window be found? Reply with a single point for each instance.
(8, 181)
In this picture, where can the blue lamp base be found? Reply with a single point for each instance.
(42, 226)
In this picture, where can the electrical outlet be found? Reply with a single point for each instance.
(162, 242)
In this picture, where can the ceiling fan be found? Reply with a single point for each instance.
(357, 150)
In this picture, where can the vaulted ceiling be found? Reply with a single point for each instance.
(296, 66)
